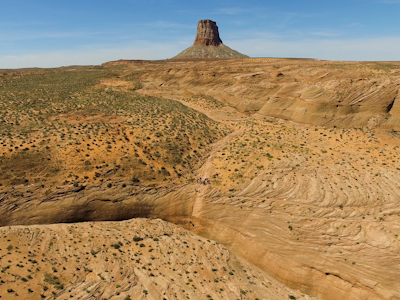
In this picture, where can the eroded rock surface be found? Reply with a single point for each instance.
(304, 184)
(135, 259)
(207, 34)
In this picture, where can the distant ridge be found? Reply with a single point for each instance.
(208, 44)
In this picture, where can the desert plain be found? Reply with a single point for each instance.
(104, 193)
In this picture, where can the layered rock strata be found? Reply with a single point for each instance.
(207, 34)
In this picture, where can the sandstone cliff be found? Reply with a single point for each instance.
(207, 34)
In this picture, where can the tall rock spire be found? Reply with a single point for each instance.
(207, 34)
(208, 44)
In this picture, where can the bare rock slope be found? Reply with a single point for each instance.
(344, 94)
(136, 259)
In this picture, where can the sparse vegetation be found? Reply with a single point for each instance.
(52, 114)
(112, 141)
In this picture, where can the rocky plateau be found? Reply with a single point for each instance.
(301, 202)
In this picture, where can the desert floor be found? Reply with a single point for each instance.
(301, 198)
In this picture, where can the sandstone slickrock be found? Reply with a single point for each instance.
(135, 259)
(305, 186)
(208, 44)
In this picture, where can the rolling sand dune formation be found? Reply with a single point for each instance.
(302, 198)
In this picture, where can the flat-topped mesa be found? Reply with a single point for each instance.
(207, 34)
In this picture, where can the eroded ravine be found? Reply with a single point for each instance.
(308, 256)
(315, 256)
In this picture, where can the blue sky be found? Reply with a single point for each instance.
(53, 33)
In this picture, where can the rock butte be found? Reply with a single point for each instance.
(208, 44)
(304, 184)
(207, 34)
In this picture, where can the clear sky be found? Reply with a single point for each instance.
(53, 33)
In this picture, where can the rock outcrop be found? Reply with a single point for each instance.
(157, 253)
(208, 44)
(207, 34)
(314, 207)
